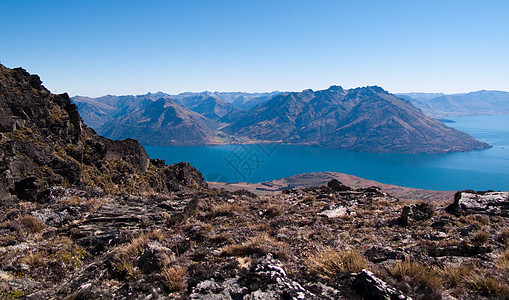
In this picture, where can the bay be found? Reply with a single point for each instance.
(477, 170)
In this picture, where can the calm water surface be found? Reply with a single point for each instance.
(478, 170)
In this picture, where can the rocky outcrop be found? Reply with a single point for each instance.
(415, 213)
(490, 203)
(44, 143)
(372, 287)
(266, 279)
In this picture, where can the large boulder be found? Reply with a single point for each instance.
(416, 213)
(490, 203)
(372, 287)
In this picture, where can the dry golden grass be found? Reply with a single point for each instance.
(36, 258)
(416, 273)
(480, 237)
(31, 223)
(125, 255)
(225, 209)
(58, 249)
(127, 269)
(330, 263)
(488, 286)
(453, 275)
(7, 240)
(503, 261)
(72, 200)
(138, 244)
(174, 278)
(308, 199)
(260, 244)
(504, 236)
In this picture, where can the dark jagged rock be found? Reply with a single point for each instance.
(44, 143)
(463, 249)
(380, 254)
(336, 185)
(416, 213)
(490, 203)
(154, 258)
(372, 287)
(266, 279)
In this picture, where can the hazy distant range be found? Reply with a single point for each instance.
(364, 119)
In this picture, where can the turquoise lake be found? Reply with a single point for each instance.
(477, 170)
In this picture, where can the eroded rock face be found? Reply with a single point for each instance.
(372, 287)
(490, 203)
(416, 213)
(44, 143)
(266, 279)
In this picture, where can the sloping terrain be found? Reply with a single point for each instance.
(364, 119)
(456, 105)
(162, 123)
(97, 111)
(306, 180)
(44, 142)
(207, 104)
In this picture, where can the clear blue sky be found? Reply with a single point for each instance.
(132, 47)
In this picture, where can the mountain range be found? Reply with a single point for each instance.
(367, 119)
(440, 105)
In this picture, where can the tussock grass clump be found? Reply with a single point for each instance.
(138, 244)
(174, 278)
(504, 236)
(453, 276)
(415, 273)
(36, 258)
(124, 256)
(488, 286)
(31, 223)
(258, 245)
(480, 237)
(59, 249)
(503, 261)
(330, 263)
(225, 209)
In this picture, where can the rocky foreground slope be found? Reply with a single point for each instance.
(84, 217)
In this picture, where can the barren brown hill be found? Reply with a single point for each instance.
(317, 179)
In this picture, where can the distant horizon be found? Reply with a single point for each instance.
(279, 91)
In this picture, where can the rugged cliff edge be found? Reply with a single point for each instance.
(44, 142)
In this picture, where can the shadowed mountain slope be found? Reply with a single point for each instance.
(362, 119)
(162, 123)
